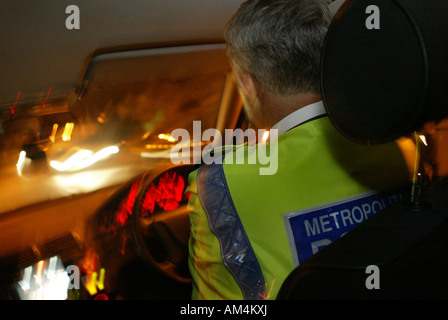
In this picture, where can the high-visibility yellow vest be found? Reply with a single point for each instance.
(249, 231)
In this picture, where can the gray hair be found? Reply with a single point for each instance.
(279, 42)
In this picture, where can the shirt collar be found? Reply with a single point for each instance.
(300, 116)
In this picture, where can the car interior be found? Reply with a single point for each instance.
(86, 117)
(93, 208)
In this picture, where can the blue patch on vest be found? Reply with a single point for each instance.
(309, 230)
(236, 250)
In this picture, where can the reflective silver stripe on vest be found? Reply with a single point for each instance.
(236, 250)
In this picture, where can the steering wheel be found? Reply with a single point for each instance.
(160, 222)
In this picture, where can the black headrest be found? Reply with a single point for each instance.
(384, 67)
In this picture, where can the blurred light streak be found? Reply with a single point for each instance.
(158, 146)
(165, 154)
(167, 137)
(21, 162)
(46, 280)
(265, 136)
(87, 181)
(53, 132)
(94, 281)
(67, 134)
(146, 135)
(15, 103)
(423, 138)
(83, 159)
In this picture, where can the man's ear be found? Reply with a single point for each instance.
(248, 84)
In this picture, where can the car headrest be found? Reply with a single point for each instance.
(384, 68)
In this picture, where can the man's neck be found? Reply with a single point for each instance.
(278, 107)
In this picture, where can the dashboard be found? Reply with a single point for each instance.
(109, 262)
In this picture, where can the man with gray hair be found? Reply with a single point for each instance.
(249, 231)
(275, 51)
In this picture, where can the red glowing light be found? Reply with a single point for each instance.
(149, 202)
(122, 214)
(168, 193)
(131, 197)
(171, 189)
(45, 101)
(101, 296)
(126, 205)
(17, 99)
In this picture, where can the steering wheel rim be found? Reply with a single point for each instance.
(162, 236)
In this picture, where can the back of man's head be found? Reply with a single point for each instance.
(279, 42)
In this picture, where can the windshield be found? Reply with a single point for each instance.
(137, 114)
(109, 136)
